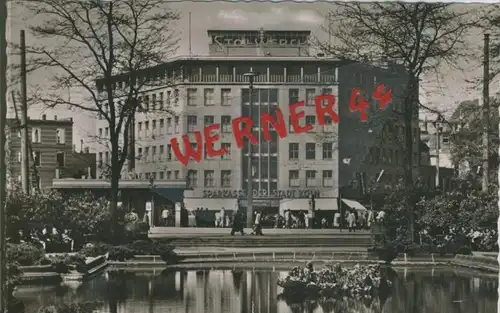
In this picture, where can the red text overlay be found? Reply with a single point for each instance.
(242, 126)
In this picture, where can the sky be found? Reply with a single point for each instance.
(445, 95)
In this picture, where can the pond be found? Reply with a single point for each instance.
(234, 290)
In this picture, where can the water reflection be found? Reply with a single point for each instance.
(247, 291)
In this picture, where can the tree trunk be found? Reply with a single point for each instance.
(114, 190)
(410, 102)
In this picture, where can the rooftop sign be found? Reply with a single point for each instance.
(255, 38)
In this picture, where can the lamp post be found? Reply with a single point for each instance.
(250, 76)
(439, 128)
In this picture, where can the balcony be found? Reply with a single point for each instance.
(226, 78)
(310, 78)
(293, 79)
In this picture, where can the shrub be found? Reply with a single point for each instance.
(386, 252)
(334, 281)
(86, 307)
(95, 249)
(168, 254)
(120, 253)
(25, 254)
(143, 247)
(66, 263)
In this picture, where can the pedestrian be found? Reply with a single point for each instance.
(380, 216)
(257, 228)
(222, 214)
(371, 218)
(164, 215)
(361, 220)
(237, 223)
(351, 221)
(288, 219)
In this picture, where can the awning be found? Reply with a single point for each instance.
(211, 204)
(354, 205)
(327, 204)
(171, 194)
(323, 204)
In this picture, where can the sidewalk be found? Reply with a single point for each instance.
(214, 250)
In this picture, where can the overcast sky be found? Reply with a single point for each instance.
(224, 15)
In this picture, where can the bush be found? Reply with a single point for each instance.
(386, 252)
(25, 254)
(120, 253)
(66, 263)
(143, 247)
(87, 307)
(334, 281)
(95, 249)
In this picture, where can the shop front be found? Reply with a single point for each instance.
(210, 202)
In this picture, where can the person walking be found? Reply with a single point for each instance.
(257, 228)
(351, 221)
(164, 215)
(237, 223)
(288, 219)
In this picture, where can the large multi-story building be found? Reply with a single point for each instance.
(52, 150)
(285, 171)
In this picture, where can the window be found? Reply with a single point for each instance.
(191, 96)
(208, 96)
(154, 128)
(293, 151)
(37, 157)
(177, 174)
(106, 132)
(293, 96)
(208, 120)
(209, 178)
(139, 153)
(169, 97)
(225, 97)
(328, 178)
(293, 178)
(327, 151)
(153, 153)
(162, 105)
(106, 157)
(310, 178)
(192, 123)
(225, 178)
(162, 151)
(139, 130)
(146, 103)
(60, 136)
(99, 159)
(176, 124)
(19, 157)
(169, 125)
(153, 102)
(326, 91)
(100, 131)
(60, 159)
(154, 175)
(146, 128)
(169, 175)
(226, 124)
(192, 178)
(36, 135)
(146, 153)
(310, 151)
(310, 94)
(162, 126)
(290, 126)
(169, 152)
(176, 97)
(227, 146)
(162, 175)
(311, 120)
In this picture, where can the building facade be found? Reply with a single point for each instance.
(212, 89)
(52, 152)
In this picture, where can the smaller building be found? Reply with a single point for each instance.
(52, 153)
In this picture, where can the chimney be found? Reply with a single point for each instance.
(55, 117)
(44, 117)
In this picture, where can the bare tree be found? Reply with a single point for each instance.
(419, 37)
(111, 51)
